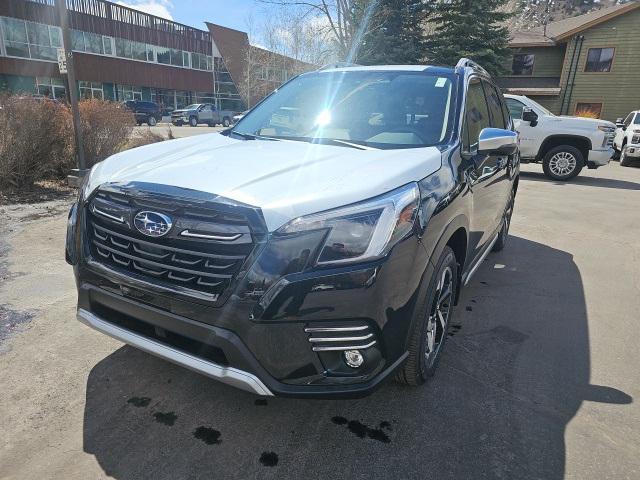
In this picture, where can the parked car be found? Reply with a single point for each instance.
(564, 145)
(145, 112)
(317, 247)
(239, 116)
(627, 139)
(201, 113)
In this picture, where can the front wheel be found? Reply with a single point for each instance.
(431, 321)
(563, 162)
(226, 122)
(152, 121)
(193, 121)
(624, 158)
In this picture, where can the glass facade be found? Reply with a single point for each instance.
(51, 88)
(129, 92)
(30, 40)
(91, 90)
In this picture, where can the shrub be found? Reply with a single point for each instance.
(35, 140)
(145, 137)
(106, 128)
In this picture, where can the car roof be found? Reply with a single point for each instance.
(382, 68)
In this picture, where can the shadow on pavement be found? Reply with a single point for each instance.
(583, 180)
(514, 373)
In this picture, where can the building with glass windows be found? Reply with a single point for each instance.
(123, 54)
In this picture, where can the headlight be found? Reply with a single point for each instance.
(606, 128)
(362, 231)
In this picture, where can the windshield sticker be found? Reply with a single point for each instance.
(441, 82)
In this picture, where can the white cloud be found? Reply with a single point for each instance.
(159, 8)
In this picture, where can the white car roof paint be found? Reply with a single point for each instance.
(286, 179)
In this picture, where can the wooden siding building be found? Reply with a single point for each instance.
(586, 65)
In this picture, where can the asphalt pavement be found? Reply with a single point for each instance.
(539, 378)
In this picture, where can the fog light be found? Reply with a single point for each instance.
(353, 358)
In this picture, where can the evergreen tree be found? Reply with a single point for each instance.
(475, 29)
(397, 34)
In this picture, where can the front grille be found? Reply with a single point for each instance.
(342, 336)
(200, 255)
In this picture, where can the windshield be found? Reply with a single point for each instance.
(381, 109)
(194, 106)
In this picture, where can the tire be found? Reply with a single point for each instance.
(193, 121)
(624, 159)
(563, 162)
(226, 122)
(421, 364)
(152, 122)
(503, 236)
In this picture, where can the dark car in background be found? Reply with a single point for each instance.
(145, 112)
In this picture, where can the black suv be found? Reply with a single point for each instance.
(145, 112)
(317, 247)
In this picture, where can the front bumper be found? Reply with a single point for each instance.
(268, 333)
(632, 150)
(598, 158)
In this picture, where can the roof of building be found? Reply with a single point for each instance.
(558, 31)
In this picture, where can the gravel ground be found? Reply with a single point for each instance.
(539, 378)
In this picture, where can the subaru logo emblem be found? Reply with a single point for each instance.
(152, 224)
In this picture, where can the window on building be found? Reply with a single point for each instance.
(51, 87)
(108, 45)
(588, 110)
(128, 92)
(31, 40)
(522, 64)
(91, 90)
(599, 60)
(164, 55)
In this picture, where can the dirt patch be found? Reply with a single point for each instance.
(12, 322)
(43, 191)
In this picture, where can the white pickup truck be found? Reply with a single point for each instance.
(564, 145)
(627, 140)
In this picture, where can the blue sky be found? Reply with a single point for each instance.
(229, 13)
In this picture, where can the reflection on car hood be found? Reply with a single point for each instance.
(285, 179)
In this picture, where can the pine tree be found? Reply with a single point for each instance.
(398, 35)
(475, 29)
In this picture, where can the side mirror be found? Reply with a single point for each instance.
(497, 141)
(530, 116)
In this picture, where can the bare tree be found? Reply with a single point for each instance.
(348, 21)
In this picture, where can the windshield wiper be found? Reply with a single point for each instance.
(250, 136)
(359, 145)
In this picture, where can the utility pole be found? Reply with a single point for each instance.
(72, 89)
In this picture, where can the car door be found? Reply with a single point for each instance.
(528, 142)
(500, 182)
(483, 172)
(206, 115)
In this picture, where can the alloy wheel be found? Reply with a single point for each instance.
(562, 163)
(439, 316)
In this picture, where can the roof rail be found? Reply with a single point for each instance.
(465, 62)
(338, 65)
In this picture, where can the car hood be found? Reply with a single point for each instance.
(580, 122)
(285, 179)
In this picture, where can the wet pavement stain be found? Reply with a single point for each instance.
(454, 329)
(139, 401)
(269, 459)
(168, 418)
(385, 424)
(360, 430)
(261, 402)
(473, 301)
(207, 435)
(469, 308)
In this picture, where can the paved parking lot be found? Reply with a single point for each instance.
(540, 378)
(178, 132)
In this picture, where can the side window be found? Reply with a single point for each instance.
(477, 112)
(515, 108)
(495, 107)
(627, 121)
